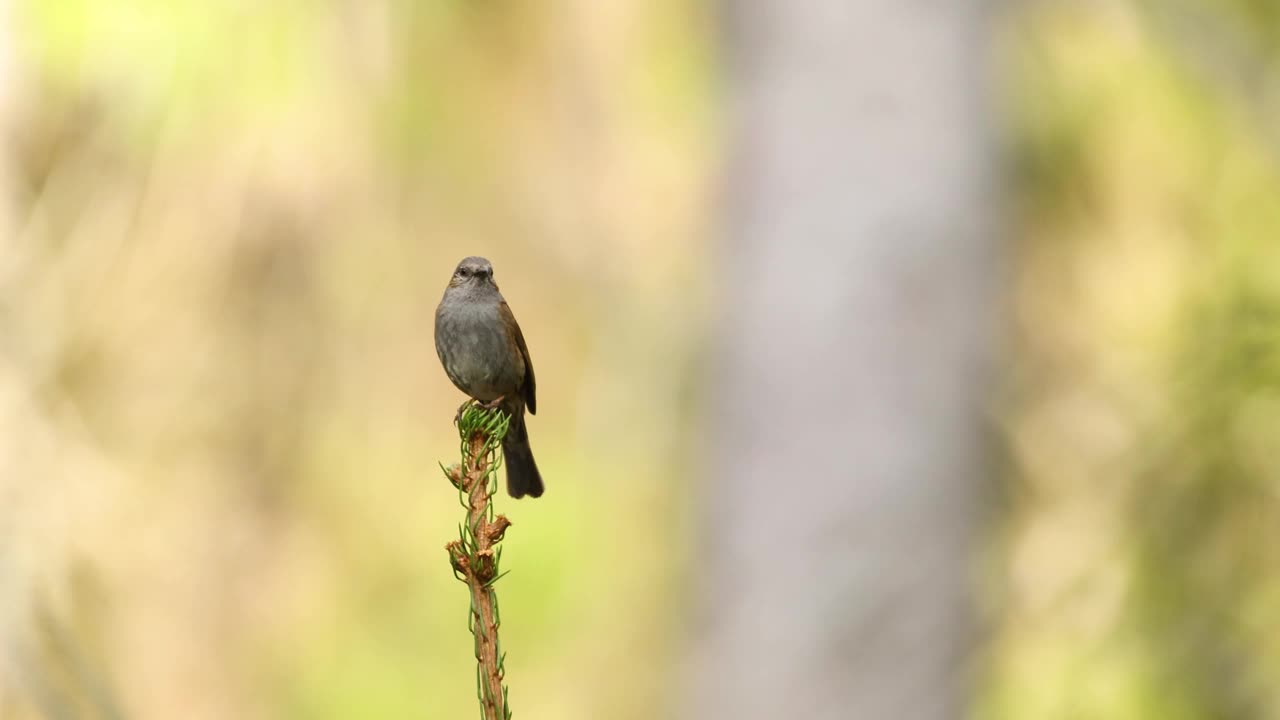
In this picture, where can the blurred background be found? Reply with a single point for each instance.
(224, 228)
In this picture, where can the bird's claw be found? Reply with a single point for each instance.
(491, 405)
(457, 417)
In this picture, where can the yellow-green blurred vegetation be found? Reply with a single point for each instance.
(1142, 532)
(221, 411)
(224, 227)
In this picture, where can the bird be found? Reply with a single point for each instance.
(483, 352)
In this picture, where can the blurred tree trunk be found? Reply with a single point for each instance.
(861, 277)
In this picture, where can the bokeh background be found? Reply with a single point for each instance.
(224, 227)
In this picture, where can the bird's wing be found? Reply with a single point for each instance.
(513, 328)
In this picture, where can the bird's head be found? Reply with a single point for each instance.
(473, 272)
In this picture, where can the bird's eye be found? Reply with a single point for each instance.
(463, 272)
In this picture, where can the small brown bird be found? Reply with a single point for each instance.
(484, 354)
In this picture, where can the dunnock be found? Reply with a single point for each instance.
(483, 352)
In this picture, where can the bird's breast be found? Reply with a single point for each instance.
(476, 351)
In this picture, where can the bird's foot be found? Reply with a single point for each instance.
(457, 417)
(491, 405)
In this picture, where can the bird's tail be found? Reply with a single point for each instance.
(522, 472)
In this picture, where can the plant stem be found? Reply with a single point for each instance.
(475, 554)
